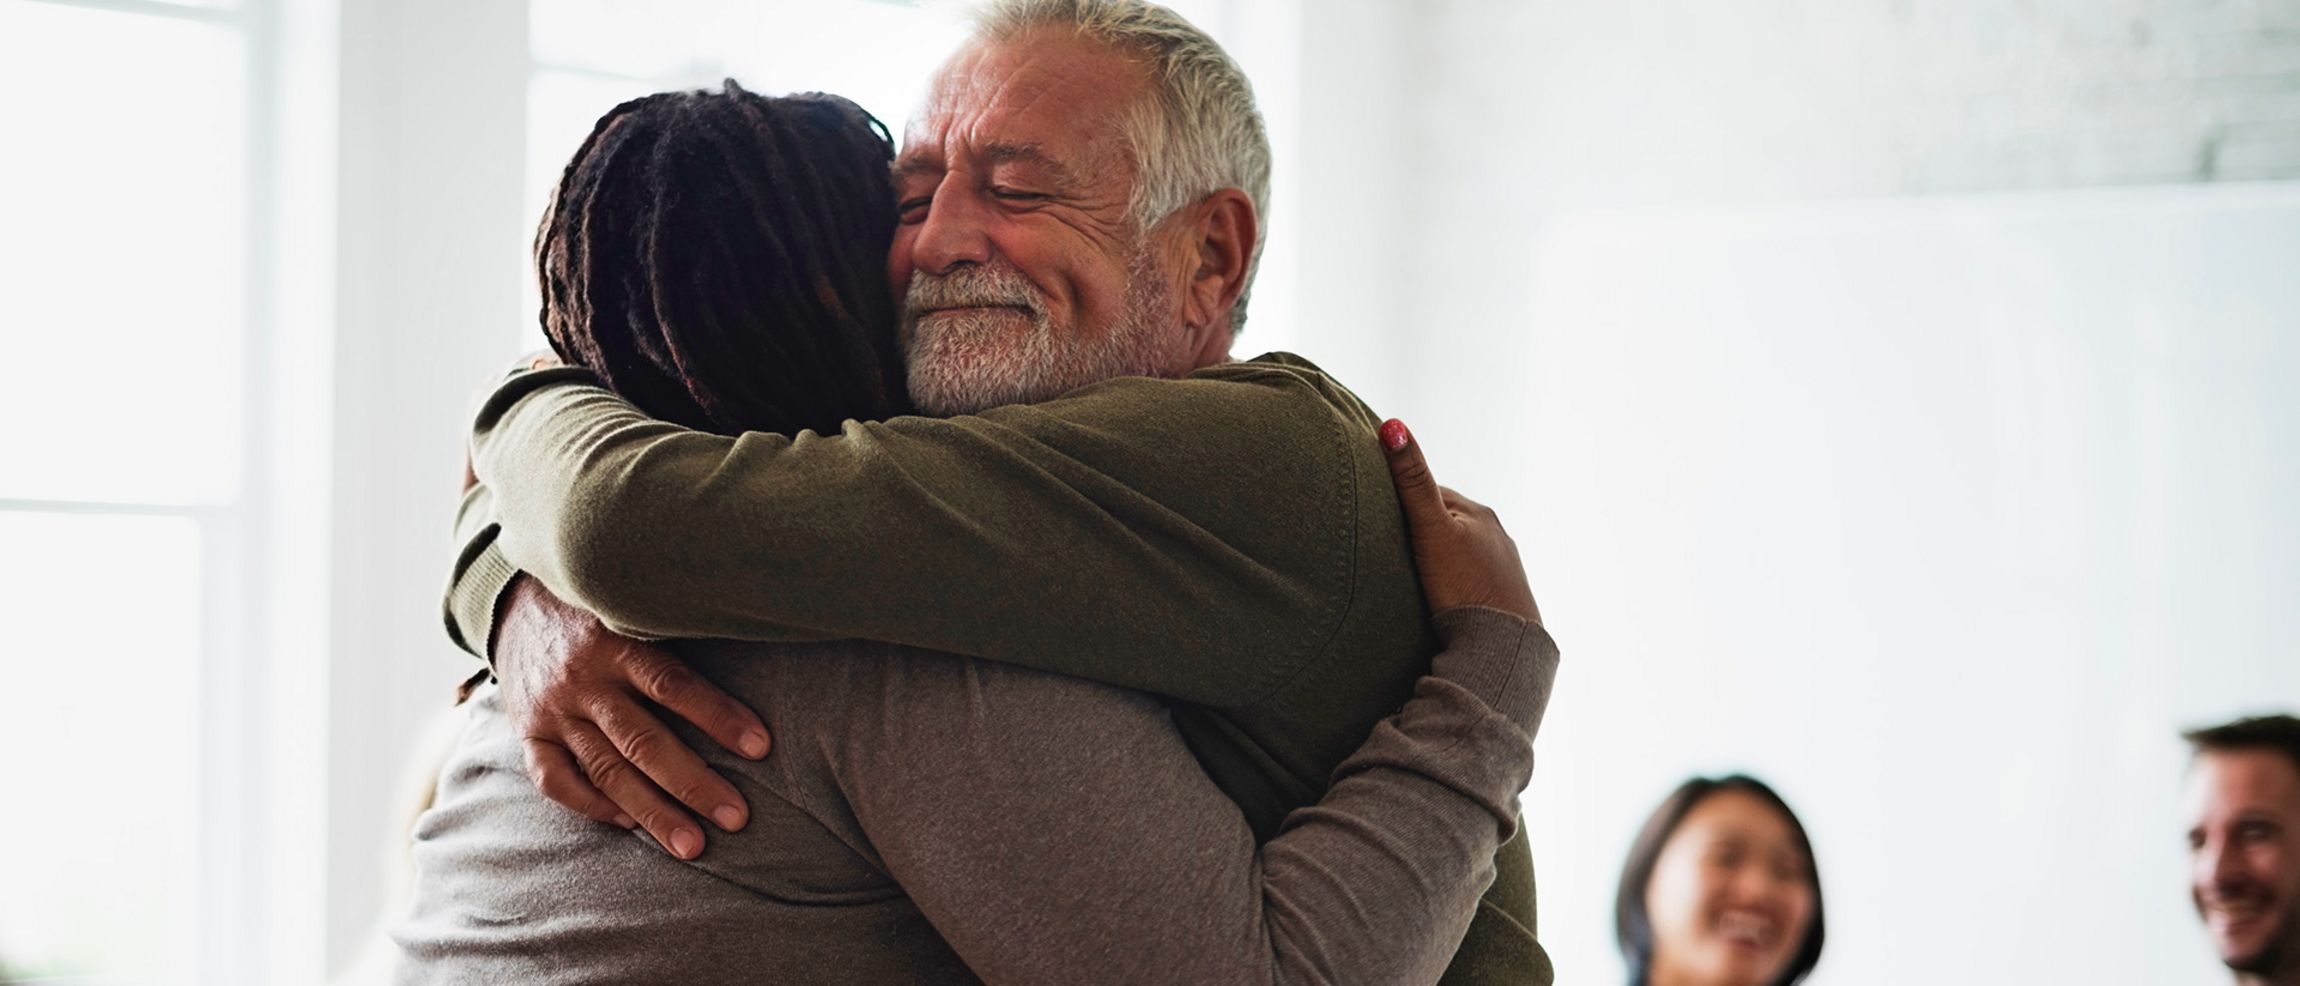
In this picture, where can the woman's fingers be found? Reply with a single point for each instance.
(1418, 492)
(1464, 556)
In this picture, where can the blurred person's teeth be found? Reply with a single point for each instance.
(1746, 927)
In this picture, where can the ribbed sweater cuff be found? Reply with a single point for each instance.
(1507, 662)
(477, 594)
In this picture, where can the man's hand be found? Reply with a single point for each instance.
(1465, 557)
(580, 695)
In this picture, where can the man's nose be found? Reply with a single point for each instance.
(2214, 867)
(954, 232)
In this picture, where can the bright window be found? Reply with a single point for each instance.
(127, 245)
(126, 255)
(106, 887)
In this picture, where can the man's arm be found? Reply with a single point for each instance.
(1196, 531)
(1054, 830)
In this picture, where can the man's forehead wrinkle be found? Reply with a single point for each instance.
(1004, 81)
(997, 101)
(1030, 152)
(916, 162)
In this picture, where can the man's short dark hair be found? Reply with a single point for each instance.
(2280, 733)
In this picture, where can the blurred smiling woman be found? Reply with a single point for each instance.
(1720, 890)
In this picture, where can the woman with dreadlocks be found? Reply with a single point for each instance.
(711, 264)
(718, 259)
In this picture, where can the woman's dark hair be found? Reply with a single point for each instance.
(1633, 929)
(719, 259)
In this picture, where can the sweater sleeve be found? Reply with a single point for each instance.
(1058, 831)
(1189, 537)
(481, 573)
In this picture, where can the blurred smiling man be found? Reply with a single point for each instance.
(2243, 810)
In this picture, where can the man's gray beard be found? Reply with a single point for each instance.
(963, 363)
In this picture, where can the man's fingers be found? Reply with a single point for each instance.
(631, 790)
(667, 762)
(675, 686)
(1417, 492)
(556, 774)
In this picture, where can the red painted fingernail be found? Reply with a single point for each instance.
(1394, 435)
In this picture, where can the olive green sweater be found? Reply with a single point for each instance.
(1231, 540)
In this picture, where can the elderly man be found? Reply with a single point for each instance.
(1081, 200)
(2244, 845)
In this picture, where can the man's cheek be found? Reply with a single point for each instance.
(898, 265)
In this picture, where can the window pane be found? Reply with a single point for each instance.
(124, 252)
(99, 715)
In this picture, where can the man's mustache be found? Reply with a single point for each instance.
(971, 287)
(2234, 893)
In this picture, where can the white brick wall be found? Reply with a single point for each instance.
(1512, 111)
(1684, 101)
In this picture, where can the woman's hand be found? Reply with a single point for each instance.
(1465, 558)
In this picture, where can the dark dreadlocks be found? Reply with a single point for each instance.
(718, 258)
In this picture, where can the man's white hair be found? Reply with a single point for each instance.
(1194, 133)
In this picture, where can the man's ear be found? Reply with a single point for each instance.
(1226, 231)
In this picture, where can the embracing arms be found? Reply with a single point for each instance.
(1195, 531)
(1204, 539)
(1189, 538)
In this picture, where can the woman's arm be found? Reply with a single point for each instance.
(1055, 830)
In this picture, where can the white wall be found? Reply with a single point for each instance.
(1350, 231)
(1943, 511)
(1440, 133)
(1692, 100)
(432, 110)
(1945, 517)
